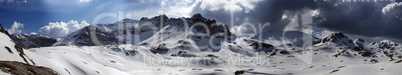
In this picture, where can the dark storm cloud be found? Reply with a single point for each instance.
(272, 11)
(356, 18)
(267, 11)
(361, 18)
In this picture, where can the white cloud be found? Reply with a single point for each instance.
(16, 28)
(186, 8)
(232, 5)
(85, 1)
(176, 8)
(183, 8)
(163, 3)
(60, 29)
(244, 31)
(235, 30)
(33, 33)
(315, 13)
(392, 9)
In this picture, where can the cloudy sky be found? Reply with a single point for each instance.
(367, 19)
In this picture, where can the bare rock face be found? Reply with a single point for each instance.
(4, 31)
(366, 54)
(261, 46)
(212, 27)
(240, 72)
(18, 68)
(161, 49)
(338, 39)
(387, 44)
(359, 42)
(357, 48)
(183, 54)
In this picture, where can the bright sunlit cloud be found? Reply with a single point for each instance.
(60, 29)
(16, 28)
(85, 1)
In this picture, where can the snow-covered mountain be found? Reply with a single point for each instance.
(385, 45)
(338, 39)
(105, 33)
(13, 59)
(32, 40)
(359, 42)
(195, 35)
(121, 32)
(130, 31)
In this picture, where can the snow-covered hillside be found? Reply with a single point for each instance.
(10, 51)
(239, 56)
(13, 59)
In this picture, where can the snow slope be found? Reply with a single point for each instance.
(10, 51)
(132, 60)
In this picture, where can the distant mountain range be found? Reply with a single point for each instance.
(32, 40)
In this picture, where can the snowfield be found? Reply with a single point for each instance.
(133, 60)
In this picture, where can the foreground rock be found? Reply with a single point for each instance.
(18, 68)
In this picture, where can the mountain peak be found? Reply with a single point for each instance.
(163, 16)
(129, 20)
(198, 16)
(359, 42)
(155, 18)
(338, 35)
(338, 38)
